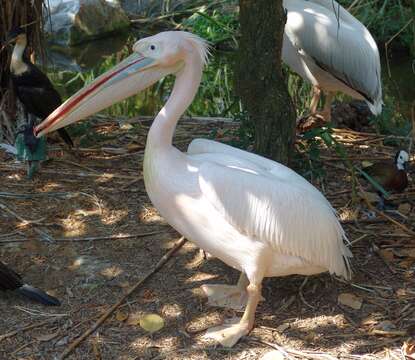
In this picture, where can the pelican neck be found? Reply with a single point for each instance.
(185, 88)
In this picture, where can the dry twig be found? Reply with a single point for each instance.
(111, 237)
(28, 327)
(105, 316)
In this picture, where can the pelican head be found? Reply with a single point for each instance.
(152, 59)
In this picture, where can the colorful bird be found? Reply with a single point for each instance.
(38, 96)
(254, 214)
(391, 175)
(332, 50)
(10, 280)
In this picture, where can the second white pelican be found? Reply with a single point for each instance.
(333, 51)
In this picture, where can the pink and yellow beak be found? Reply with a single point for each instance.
(132, 75)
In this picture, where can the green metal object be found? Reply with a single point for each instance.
(24, 153)
(32, 158)
(32, 168)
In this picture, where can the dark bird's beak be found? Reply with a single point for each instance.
(11, 38)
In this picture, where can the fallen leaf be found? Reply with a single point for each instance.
(134, 147)
(406, 264)
(46, 337)
(404, 208)
(408, 252)
(152, 323)
(387, 254)
(125, 126)
(133, 319)
(408, 349)
(283, 327)
(310, 337)
(366, 163)
(370, 196)
(121, 315)
(273, 355)
(350, 300)
(149, 295)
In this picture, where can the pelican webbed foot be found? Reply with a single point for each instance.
(228, 296)
(229, 334)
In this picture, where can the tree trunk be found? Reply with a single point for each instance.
(413, 27)
(260, 80)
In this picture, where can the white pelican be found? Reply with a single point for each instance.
(332, 50)
(256, 215)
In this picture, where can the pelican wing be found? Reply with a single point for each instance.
(338, 10)
(290, 218)
(343, 48)
(230, 156)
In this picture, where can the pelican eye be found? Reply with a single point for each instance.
(152, 47)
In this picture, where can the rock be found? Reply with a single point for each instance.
(151, 7)
(350, 300)
(273, 355)
(77, 21)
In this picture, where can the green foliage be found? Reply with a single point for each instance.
(300, 91)
(242, 137)
(384, 19)
(311, 147)
(216, 96)
(391, 121)
(216, 26)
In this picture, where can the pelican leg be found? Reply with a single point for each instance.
(314, 118)
(229, 334)
(316, 91)
(326, 113)
(228, 296)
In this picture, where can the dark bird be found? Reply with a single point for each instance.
(392, 176)
(32, 86)
(10, 280)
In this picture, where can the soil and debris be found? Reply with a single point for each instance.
(85, 231)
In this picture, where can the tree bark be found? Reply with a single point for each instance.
(14, 13)
(260, 80)
(413, 27)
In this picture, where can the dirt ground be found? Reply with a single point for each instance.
(85, 231)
